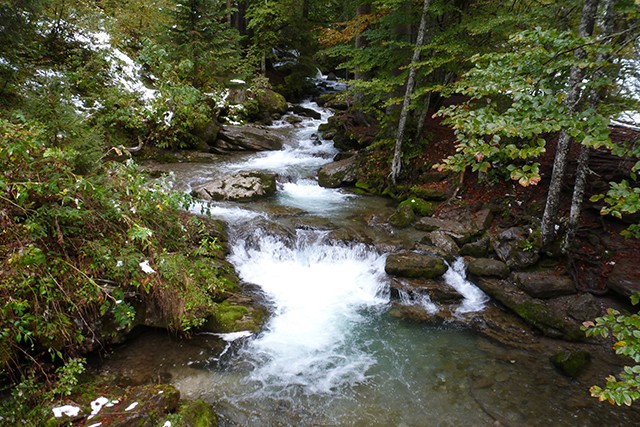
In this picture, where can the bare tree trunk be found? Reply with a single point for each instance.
(396, 164)
(583, 160)
(547, 228)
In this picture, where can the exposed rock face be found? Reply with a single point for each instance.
(544, 317)
(487, 267)
(338, 174)
(412, 265)
(624, 280)
(511, 247)
(238, 187)
(248, 138)
(545, 284)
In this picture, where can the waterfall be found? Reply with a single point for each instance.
(474, 298)
(320, 294)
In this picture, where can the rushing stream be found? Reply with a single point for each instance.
(332, 353)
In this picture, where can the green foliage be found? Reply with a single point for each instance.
(78, 248)
(515, 100)
(624, 388)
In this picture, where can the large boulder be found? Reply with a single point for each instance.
(413, 264)
(271, 102)
(550, 320)
(338, 174)
(402, 217)
(242, 186)
(444, 243)
(545, 284)
(624, 279)
(248, 138)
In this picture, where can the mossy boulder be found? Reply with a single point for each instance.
(571, 363)
(234, 316)
(420, 206)
(413, 265)
(402, 217)
(271, 102)
(477, 249)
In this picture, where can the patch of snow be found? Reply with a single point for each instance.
(167, 424)
(238, 81)
(146, 268)
(131, 407)
(68, 410)
(95, 425)
(97, 405)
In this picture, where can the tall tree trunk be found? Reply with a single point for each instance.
(552, 206)
(396, 164)
(583, 160)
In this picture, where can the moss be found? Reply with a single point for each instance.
(231, 317)
(419, 206)
(571, 363)
(402, 217)
(551, 325)
(197, 413)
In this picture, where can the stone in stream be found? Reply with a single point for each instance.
(306, 112)
(242, 186)
(437, 290)
(412, 265)
(248, 138)
(338, 174)
(487, 267)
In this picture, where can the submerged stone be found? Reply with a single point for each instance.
(571, 363)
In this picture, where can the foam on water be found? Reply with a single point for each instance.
(319, 292)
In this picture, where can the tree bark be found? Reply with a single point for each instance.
(549, 218)
(583, 160)
(396, 164)
(361, 41)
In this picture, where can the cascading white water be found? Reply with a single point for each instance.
(474, 298)
(319, 292)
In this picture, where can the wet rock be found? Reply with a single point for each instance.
(445, 243)
(545, 284)
(402, 217)
(271, 102)
(412, 265)
(306, 112)
(477, 249)
(248, 138)
(438, 291)
(503, 327)
(487, 267)
(512, 247)
(338, 174)
(549, 320)
(242, 186)
(571, 363)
